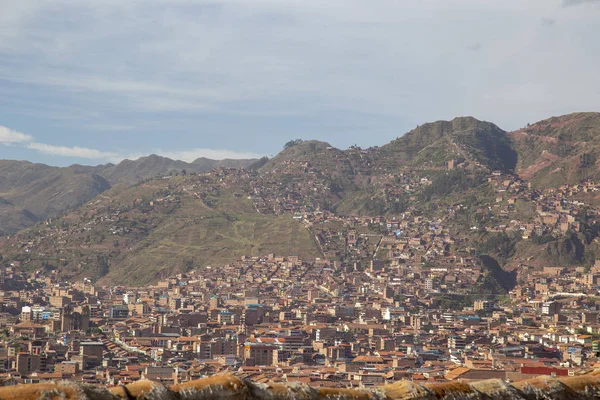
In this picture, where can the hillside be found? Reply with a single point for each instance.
(37, 191)
(480, 189)
(312, 157)
(159, 227)
(547, 153)
(130, 172)
(464, 139)
(559, 150)
(13, 219)
(467, 146)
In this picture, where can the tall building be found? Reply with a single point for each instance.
(118, 311)
(457, 342)
(429, 284)
(260, 354)
(550, 308)
(27, 363)
(26, 314)
(483, 305)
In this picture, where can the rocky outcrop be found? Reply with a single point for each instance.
(225, 387)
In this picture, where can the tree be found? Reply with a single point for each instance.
(376, 206)
(399, 205)
(292, 143)
(103, 265)
(587, 160)
(584, 215)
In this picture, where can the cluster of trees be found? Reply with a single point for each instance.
(379, 206)
(452, 181)
(567, 251)
(103, 265)
(376, 206)
(292, 143)
(498, 245)
(587, 160)
(260, 163)
(543, 239)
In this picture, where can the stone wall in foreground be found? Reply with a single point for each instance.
(229, 387)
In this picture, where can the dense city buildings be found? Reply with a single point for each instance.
(414, 293)
(414, 311)
(281, 320)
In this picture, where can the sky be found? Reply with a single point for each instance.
(97, 81)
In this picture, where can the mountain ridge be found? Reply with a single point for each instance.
(40, 190)
(431, 146)
(176, 220)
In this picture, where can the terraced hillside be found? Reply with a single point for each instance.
(156, 228)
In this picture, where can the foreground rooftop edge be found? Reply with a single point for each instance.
(227, 386)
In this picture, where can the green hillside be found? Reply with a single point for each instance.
(143, 232)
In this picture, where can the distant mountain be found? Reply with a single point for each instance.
(133, 171)
(428, 147)
(355, 175)
(36, 191)
(203, 164)
(130, 172)
(558, 150)
(13, 219)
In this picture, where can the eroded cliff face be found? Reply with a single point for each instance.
(229, 387)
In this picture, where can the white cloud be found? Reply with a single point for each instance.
(9, 136)
(75, 151)
(568, 3)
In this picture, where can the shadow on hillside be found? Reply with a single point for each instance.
(506, 279)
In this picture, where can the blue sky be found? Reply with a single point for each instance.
(95, 81)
